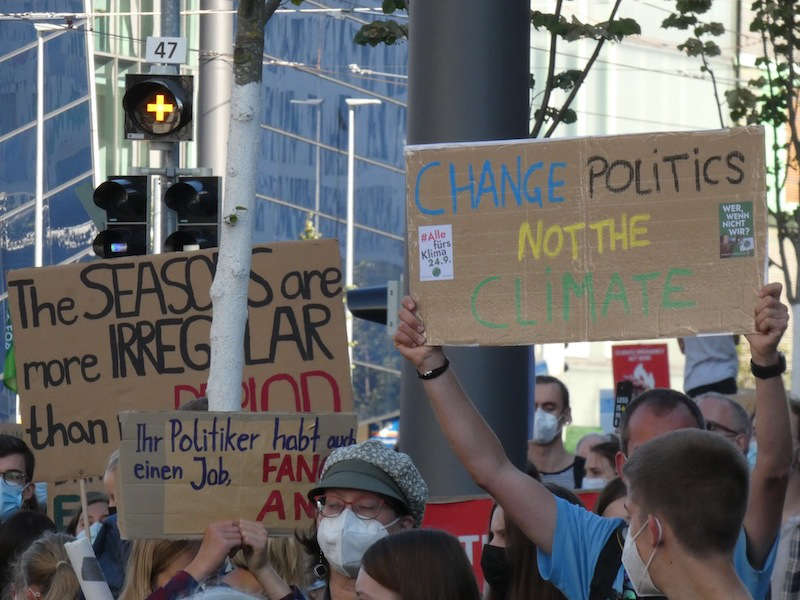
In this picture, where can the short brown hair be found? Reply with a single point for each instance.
(698, 482)
(662, 401)
(422, 564)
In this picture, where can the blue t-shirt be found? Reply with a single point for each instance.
(580, 536)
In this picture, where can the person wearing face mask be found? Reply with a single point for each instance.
(600, 465)
(509, 563)
(546, 448)
(97, 506)
(365, 492)
(678, 548)
(17, 490)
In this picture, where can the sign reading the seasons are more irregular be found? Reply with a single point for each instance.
(619, 237)
(180, 471)
(97, 338)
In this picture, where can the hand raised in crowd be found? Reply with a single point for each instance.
(409, 339)
(771, 320)
(254, 542)
(256, 555)
(218, 540)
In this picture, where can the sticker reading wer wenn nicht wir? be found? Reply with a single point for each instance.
(435, 252)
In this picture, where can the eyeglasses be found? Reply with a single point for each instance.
(719, 428)
(331, 505)
(13, 477)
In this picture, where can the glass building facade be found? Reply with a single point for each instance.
(309, 53)
(67, 174)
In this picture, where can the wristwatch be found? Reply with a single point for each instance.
(771, 370)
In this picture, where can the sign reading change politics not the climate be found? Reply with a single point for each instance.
(619, 237)
(181, 470)
(96, 338)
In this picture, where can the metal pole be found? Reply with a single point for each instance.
(317, 103)
(38, 219)
(468, 81)
(317, 182)
(352, 103)
(38, 224)
(216, 77)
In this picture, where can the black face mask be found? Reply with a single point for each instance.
(112, 510)
(496, 569)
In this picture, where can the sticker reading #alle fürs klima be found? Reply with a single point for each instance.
(435, 252)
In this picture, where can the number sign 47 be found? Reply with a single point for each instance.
(166, 50)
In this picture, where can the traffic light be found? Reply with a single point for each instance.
(124, 199)
(158, 107)
(378, 304)
(196, 200)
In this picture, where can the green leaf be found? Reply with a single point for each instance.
(621, 28)
(695, 6)
(676, 21)
(566, 80)
(569, 116)
(381, 32)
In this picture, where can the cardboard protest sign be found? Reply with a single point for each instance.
(180, 471)
(619, 237)
(132, 333)
(64, 499)
(14, 429)
(646, 366)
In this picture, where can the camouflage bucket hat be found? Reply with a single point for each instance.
(372, 466)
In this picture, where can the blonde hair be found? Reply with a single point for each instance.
(46, 565)
(290, 560)
(148, 559)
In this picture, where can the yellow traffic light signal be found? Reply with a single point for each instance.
(158, 107)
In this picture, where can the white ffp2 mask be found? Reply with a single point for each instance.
(344, 538)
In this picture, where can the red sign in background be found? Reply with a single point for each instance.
(468, 520)
(646, 365)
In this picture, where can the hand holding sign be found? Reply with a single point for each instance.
(771, 320)
(409, 339)
(254, 540)
(218, 540)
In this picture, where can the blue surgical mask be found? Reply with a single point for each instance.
(94, 529)
(11, 498)
(40, 491)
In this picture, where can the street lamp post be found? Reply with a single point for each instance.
(352, 103)
(38, 219)
(316, 102)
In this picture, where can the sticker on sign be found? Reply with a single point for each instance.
(169, 50)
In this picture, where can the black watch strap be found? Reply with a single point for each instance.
(771, 370)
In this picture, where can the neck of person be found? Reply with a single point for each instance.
(550, 458)
(710, 578)
(341, 586)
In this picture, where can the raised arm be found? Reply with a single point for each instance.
(529, 504)
(770, 476)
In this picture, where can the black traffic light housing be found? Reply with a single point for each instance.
(196, 202)
(124, 200)
(158, 107)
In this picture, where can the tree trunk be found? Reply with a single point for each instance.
(795, 348)
(229, 289)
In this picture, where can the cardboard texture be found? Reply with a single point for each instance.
(180, 471)
(64, 499)
(93, 339)
(604, 238)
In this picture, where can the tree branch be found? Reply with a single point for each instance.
(710, 71)
(551, 65)
(582, 78)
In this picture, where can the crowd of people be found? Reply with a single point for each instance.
(680, 512)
